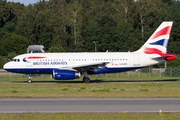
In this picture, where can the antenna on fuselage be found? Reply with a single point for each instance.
(37, 48)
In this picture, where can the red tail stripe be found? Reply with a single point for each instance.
(153, 51)
(164, 31)
(156, 51)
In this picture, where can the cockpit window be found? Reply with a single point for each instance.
(15, 60)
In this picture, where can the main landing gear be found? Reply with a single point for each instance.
(30, 78)
(86, 80)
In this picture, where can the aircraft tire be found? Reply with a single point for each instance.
(86, 80)
(29, 81)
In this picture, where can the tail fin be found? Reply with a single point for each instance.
(157, 43)
(159, 39)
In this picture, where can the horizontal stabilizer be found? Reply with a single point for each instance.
(167, 57)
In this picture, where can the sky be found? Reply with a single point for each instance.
(25, 2)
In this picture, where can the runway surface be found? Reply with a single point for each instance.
(51, 105)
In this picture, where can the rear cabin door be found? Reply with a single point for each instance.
(136, 60)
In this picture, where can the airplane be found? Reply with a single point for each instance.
(66, 66)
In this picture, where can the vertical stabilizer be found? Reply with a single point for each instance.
(159, 39)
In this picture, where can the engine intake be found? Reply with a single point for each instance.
(65, 74)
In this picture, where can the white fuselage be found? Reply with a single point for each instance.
(34, 63)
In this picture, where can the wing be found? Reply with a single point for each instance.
(88, 66)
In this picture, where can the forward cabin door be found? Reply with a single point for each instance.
(28, 62)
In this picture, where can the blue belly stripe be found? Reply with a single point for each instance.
(50, 70)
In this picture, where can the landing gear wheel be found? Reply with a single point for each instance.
(29, 81)
(86, 80)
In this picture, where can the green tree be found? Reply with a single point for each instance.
(13, 43)
(123, 8)
(74, 22)
(174, 41)
(56, 49)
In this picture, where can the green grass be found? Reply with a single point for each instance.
(76, 88)
(124, 76)
(93, 79)
(90, 116)
(127, 90)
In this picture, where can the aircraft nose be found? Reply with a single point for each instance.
(6, 66)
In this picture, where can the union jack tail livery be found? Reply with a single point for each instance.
(157, 43)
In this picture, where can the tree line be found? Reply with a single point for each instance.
(74, 25)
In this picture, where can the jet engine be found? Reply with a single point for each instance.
(65, 74)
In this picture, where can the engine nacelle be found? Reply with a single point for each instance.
(65, 74)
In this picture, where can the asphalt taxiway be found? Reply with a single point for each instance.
(83, 105)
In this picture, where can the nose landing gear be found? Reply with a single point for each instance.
(30, 78)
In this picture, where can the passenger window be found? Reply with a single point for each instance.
(18, 60)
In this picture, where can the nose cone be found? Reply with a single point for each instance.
(6, 66)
